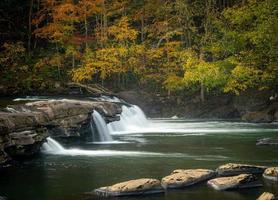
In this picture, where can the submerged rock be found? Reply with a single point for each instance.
(132, 187)
(266, 196)
(235, 169)
(271, 173)
(234, 182)
(268, 141)
(183, 178)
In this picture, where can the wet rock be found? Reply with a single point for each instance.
(132, 187)
(271, 173)
(26, 143)
(266, 196)
(183, 178)
(24, 127)
(258, 117)
(235, 169)
(234, 182)
(268, 141)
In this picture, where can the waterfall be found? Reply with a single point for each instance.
(132, 118)
(102, 130)
(52, 145)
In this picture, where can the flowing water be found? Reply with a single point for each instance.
(143, 148)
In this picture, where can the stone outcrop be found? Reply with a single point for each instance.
(234, 182)
(24, 127)
(67, 117)
(183, 178)
(132, 187)
(271, 173)
(266, 196)
(268, 141)
(258, 117)
(235, 169)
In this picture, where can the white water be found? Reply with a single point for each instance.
(54, 148)
(103, 132)
(132, 118)
(133, 121)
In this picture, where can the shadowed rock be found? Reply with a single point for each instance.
(132, 187)
(271, 173)
(258, 117)
(235, 169)
(266, 196)
(234, 182)
(183, 178)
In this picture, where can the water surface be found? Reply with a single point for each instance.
(152, 151)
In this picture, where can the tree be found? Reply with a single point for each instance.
(203, 74)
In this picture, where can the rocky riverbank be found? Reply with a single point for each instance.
(250, 106)
(24, 127)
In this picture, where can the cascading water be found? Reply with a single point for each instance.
(52, 145)
(102, 130)
(132, 118)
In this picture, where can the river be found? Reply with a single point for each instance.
(150, 151)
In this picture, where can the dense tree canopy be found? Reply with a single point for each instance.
(160, 45)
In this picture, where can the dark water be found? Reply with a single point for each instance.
(69, 177)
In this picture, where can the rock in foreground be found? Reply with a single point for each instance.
(268, 141)
(231, 169)
(183, 178)
(266, 196)
(234, 182)
(132, 187)
(271, 173)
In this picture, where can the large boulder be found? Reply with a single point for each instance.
(258, 117)
(235, 169)
(183, 178)
(234, 182)
(271, 173)
(266, 196)
(132, 187)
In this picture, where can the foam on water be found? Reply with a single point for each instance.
(54, 148)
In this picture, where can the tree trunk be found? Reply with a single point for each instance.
(30, 26)
(142, 27)
(86, 31)
(73, 61)
(202, 92)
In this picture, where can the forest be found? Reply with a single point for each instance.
(168, 46)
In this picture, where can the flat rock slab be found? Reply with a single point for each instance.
(266, 196)
(182, 178)
(271, 173)
(132, 187)
(234, 182)
(231, 169)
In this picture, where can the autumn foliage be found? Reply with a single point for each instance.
(160, 45)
